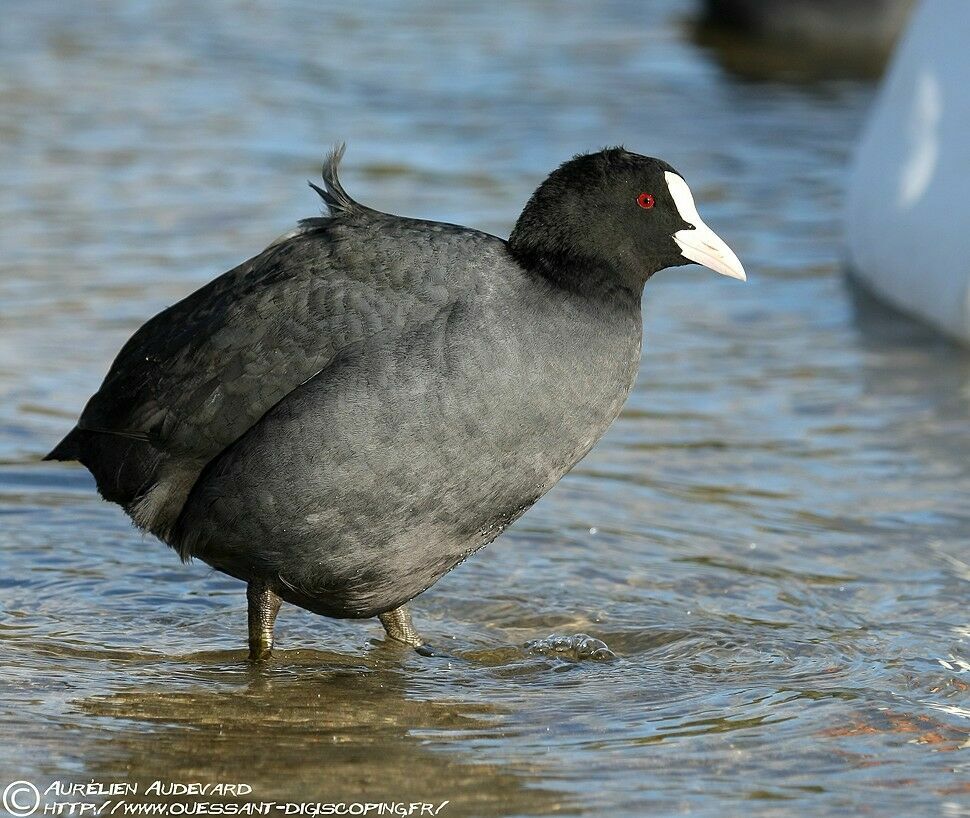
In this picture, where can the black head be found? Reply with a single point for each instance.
(617, 215)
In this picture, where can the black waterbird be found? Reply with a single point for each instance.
(345, 417)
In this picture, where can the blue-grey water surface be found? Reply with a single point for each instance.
(773, 539)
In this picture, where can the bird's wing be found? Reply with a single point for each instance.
(199, 374)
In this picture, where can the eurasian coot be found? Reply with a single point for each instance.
(348, 415)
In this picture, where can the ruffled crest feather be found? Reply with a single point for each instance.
(333, 194)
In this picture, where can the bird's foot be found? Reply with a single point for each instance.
(399, 626)
(264, 604)
(401, 629)
(431, 652)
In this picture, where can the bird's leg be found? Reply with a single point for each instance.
(399, 626)
(263, 607)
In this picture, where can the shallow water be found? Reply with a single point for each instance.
(772, 540)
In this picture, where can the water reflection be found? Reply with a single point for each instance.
(760, 60)
(310, 728)
(801, 40)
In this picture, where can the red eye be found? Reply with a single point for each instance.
(645, 200)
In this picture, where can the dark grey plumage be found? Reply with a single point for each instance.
(346, 416)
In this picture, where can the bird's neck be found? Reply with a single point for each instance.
(580, 276)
